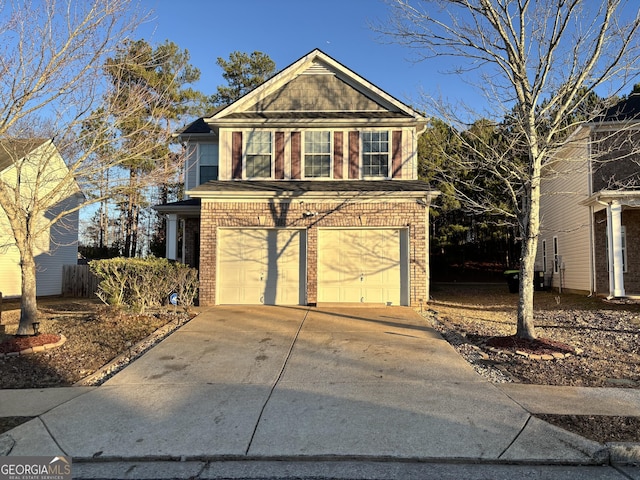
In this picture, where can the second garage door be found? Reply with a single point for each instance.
(362, 266)
(260, 266)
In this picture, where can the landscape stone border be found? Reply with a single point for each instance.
(37, 349)
(531, 356)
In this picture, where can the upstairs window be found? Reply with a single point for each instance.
(208, 162)
(375, 154)
(317, 154)
(258, 155)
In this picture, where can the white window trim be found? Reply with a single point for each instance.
(544, 255)
(303, 154)
(245, 138)
(556, 255)
(389, 150)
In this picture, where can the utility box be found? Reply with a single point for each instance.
(513, 280)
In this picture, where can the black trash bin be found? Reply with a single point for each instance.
(538, 281)
(513, 280)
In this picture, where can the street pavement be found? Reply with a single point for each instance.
(256, 392)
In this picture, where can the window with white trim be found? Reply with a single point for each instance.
(317, 154)
(258, 155)
(556, 256)
(375, 154)
(208, 162)
(544, 256)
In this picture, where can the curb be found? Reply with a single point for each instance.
(621, 453)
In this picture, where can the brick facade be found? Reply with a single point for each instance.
(631, 222)
(268, 214)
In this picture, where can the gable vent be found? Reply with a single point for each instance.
(318, 69)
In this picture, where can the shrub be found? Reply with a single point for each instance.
(142, 283)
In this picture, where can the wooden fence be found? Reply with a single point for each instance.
(78, 281)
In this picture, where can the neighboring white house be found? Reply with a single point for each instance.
(40, 168)
(591, 201)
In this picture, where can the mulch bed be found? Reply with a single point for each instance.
(538, 346)
(20, 343)
(602, 429)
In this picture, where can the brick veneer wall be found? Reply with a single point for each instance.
(356, 214)
(631, 222)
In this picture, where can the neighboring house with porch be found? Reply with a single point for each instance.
(590, 207)
(305, 191)
(39, 167)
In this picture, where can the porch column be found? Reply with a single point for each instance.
(614, 239)
(172, 237)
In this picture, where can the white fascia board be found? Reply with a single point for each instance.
(325, 197)
(319, 123)
(603, 197)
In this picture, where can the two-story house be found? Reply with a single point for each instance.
(590, 207)
(305, 191)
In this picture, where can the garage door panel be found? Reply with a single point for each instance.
(360, 265)
(260, 266)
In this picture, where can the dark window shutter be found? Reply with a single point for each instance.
(236, 155)
(296, 153)
(279, 155)
(354, 155)
(337, 155)
(396, 154)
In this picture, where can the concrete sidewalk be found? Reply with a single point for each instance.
(270, 383)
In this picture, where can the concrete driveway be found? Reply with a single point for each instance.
(283, 382)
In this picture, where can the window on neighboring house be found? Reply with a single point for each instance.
(208, 154)
(258, 155)
(544, 256)
(317, 154)
(623, 234)
(375, 154)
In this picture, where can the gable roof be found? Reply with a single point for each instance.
(623, 111)
(315, 87)
(12, 150)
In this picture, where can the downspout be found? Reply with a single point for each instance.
(592, 234)
(592, 249)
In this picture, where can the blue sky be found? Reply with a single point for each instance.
(288, 29)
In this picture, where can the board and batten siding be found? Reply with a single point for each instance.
(564, 186)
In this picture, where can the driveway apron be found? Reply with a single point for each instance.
(282, 382)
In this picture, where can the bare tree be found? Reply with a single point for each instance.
(52, 84)
(537, 63)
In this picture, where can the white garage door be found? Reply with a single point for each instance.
(362, 266)
(260, 266)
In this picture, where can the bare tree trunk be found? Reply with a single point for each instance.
(129, 249)
(134, 227)
(28, 304)
(530, 216)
